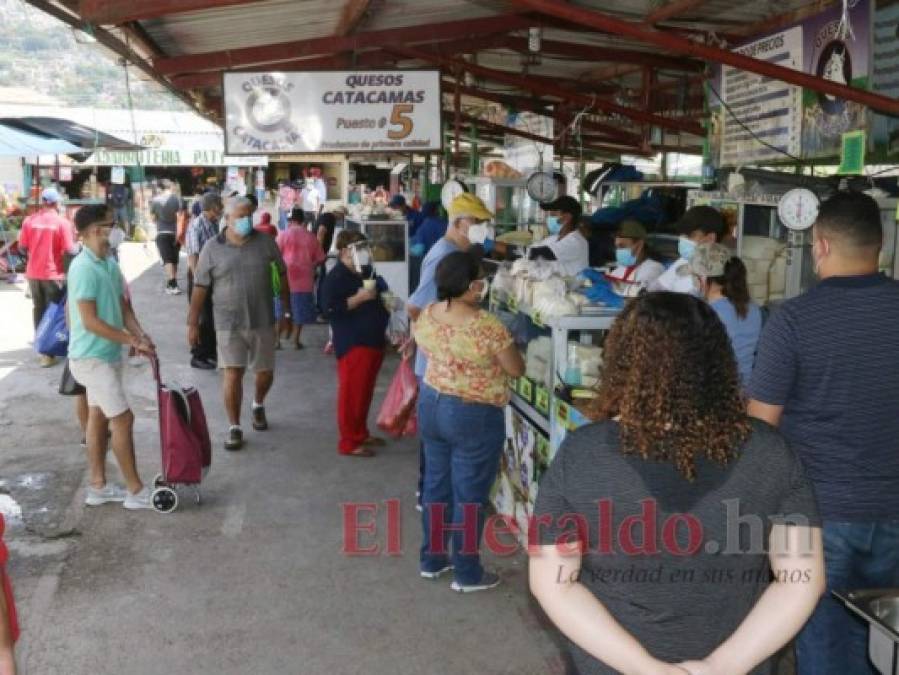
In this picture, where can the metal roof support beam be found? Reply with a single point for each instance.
(609, 24)
(351, 16)
(670, 10)
(289, 51)
(502, 129)
(604, 132)
(592, 53)
(116, 12)
(545, 88)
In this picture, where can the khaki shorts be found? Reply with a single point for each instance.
(104, 384)
(254, 349)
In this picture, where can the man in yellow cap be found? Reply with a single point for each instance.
(467, 215)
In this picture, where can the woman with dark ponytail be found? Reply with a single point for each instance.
(722, 282)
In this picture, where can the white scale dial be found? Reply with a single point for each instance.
(798, 209)
(542, 187)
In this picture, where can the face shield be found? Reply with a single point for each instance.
(362, 258)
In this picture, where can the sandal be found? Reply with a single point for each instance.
(374, 442)
(361, 452)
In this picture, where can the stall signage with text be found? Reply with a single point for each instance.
(170, 157)
(338, 111)
(886, 76)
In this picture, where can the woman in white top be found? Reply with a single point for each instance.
(565, 245)
(635, 270)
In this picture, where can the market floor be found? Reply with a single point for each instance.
(253, 579)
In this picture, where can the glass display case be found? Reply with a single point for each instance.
(389, 241)
(507, 198)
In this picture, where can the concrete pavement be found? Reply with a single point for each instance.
(253, 579)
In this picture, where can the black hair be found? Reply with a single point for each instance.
(852, 217)
(328, 220)
(455, 273)
(90, 214)
(734, 286)
(252, 198)
(297, 215)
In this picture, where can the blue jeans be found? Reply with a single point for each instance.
(856, 555)
(282, 219)
(463, 443)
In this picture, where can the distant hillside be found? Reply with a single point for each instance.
(40, 53)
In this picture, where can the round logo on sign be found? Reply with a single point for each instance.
(835, 65)
(268, 109)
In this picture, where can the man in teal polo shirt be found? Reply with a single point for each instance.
(101, 321)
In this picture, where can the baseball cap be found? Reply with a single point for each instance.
(50, 195)
(564, 204)
(704, 218)
(396, 201)
(468, 205)
(631, 229)
(709, 260)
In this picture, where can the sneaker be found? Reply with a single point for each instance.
(201, 364)
(47, 361)
(235, 439)
(436, 575)
(488, 580)
(104, 495)
(141, 500)
(259, 421)
(172, 290)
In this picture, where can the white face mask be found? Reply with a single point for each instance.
(478, 234)
(483, 290)
(361, 257)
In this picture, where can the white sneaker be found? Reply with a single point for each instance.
(172, 290)
(141, 500)
(109, 493)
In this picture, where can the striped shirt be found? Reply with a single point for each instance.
(200, 230)
(831, 359)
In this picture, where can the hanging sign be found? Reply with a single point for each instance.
(789, 119)
(338, 111)
(885, 130)
(117, 175)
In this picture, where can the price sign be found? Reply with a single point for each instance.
(526, 389)
(542, 400)
(512, 304)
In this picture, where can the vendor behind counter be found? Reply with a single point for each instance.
(635, 268)
(565, 245)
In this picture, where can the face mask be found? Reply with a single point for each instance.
(685, 248)
(361, 259)
(625, 257)
(483, 291)
(553, 224)
(243, 226)
(477, 234)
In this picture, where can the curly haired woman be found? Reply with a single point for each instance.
(675, 535)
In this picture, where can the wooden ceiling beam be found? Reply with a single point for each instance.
(352, 16)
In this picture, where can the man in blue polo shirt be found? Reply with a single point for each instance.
(827, 373)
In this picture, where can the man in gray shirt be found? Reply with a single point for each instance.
(236, 267)
(164, 208)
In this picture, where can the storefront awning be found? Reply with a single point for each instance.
(86, 139)
(17, 143)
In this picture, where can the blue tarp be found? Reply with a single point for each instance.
(15, 143)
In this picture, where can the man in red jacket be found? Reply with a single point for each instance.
(46, 236)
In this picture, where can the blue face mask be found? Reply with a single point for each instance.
(685, 248)
(553, 224)
(243, 226)
(625, 257)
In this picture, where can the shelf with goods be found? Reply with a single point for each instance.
(537, 417)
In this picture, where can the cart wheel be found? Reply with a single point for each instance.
(198, 497)
(158, 480)
(165, 499)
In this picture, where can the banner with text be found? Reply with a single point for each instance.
(885, 130)
(337, 111)
(789, 119)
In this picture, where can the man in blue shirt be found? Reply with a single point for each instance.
(465, 214)
(827, 373)
(412, 216)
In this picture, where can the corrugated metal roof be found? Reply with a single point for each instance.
(251, 25)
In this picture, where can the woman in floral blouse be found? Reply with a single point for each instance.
(470, 357)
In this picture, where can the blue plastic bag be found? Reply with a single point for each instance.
(52, 336)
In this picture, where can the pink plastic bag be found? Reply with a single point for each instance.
(397, 413)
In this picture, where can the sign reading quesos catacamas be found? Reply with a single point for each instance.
(335, 111)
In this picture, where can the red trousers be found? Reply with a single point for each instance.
(357, 372)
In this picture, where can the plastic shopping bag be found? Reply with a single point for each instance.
(397, 414)
(52, 337)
